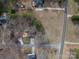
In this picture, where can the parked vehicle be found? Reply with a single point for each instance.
(38, 3)
(31, 56)
(2, 21)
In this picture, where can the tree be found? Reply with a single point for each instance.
(75, 19)
(61, 2)
(1, 7)
(77, 53)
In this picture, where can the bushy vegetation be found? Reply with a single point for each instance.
(27, 50)
(61, 1)
(13, 16)
(26, 41)
(77, 53)
(12, 1)
(75, 19)
(6, 6)
(33, 21)
(37, 24)
(28, 15)
(1, 8)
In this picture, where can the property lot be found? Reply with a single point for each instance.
(53, 23)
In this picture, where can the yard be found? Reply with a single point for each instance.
(53, 24)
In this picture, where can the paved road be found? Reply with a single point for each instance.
(42, 9)
(43, 46)
(64, 31)
(72, 43)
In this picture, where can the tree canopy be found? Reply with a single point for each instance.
(1, 7)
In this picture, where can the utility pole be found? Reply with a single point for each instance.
(64, 31)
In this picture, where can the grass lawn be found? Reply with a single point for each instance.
(72, 7)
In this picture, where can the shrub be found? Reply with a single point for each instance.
(38, 25)
(1, 7)
(26, 41)
(77, 53)
(13, 15)
(27, 15)
(27, 50)
(13, 11)
(75, 19)
(34, 21)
